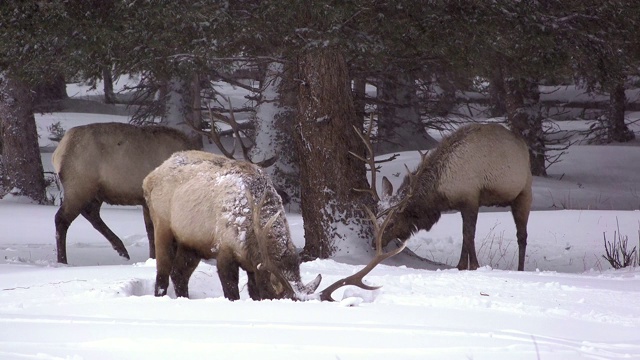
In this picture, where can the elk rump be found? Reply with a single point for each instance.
(106, 162)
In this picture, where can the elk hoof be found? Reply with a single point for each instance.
(124, 253)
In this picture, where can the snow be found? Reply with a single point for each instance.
(567, 304)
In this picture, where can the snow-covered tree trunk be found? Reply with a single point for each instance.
(274, 122)
(21, 165)
(522, 101)
(617, 129)
(400, 126)
(183, 107)
(334, 219)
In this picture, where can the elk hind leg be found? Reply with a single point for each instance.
(468, 258)
(75, 199)
(63, 219)
(184, 264)
(148, 224)
(91, 212)
(166, 253)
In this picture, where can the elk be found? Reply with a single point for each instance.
(477, 165)
(206, 206)
(106, 162)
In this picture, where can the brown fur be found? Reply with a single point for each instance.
(202, 206)
(106, 162)
(477, 165)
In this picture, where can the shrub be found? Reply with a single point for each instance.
(56, 131)
(617, 252)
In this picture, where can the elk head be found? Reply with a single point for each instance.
(394, 218)
(405, 217)
(284, 288)
(282, 279)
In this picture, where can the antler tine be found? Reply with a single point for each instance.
(356, 279)
(370, 159)
(261, 238)
(235, 128)
(413, 179)
(215, 137)
(245, 149)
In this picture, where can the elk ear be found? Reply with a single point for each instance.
(387, 188)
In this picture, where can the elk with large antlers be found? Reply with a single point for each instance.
(477, 165)
(207, 206)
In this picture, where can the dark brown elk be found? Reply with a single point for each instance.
(206, 206)
(106, 162)
(477, 165)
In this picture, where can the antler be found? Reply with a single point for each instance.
(370, 159)
(356, 279)
(235, 128)
(261, 233)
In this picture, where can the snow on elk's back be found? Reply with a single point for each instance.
(235, 203)
(232, 183)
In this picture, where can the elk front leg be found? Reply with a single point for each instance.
(468, 258)
(520, 210)
(252, 285)
(229, 274)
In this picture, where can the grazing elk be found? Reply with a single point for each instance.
(477, 165)
(207, 206)
(106, 162)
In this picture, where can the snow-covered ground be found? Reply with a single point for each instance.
(567, 304)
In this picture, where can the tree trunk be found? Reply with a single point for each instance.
(617, 129)
(497, 94)
(447, 98)
(360, 95)
(522, 101)
(400, 127)
(107, 79)
(183, 108)
(46, 94)
(22, 172)
(275, 123)
(334, 219)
